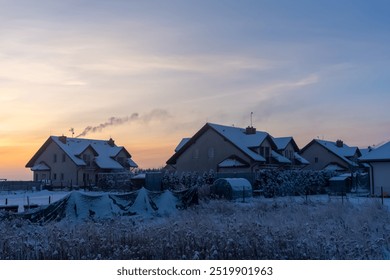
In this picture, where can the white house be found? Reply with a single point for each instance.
(379, 161)
(74, 161)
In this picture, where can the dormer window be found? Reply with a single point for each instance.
(265, 152)
(121, 160)
(87, 159)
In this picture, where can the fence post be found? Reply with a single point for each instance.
(382, 194)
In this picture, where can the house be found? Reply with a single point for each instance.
(65, 161)
(328, 155)
(379, 161)
(231, 149)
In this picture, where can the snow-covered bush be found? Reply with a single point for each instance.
(291, 182)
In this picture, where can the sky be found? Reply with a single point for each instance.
(149, 73)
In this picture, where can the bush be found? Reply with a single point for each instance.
(291, 182)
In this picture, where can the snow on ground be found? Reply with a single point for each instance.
(314, 227)
(22, 198)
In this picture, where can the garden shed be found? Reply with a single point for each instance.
(232, 188)
(340, 183)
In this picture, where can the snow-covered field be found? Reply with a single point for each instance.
(319, 227)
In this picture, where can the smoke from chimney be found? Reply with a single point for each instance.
(113, 121)
(156, 114)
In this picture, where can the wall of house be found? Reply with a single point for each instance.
(207, 152)
(324, 157)
(381, 177)
(63, 170)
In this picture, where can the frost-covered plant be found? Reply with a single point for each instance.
(278, 228)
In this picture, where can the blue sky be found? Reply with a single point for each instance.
(306, 69)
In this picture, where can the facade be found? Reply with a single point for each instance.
(229, 149)
(328, 155)
(379, 161)
(67, 161)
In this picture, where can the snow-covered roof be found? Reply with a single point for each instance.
(341, 177)
(182, 143)
(280, 158)
(132, 163)
(105, 152)
(237, 184)
(231, 162)
(344, 152)
(40, 167)
(282, 142)
(300, 158)
(241, 139)
(381, 153)
(334, 167)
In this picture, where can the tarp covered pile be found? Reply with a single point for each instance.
(78, 205)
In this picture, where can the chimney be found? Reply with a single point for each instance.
(339, 143)
(62, 139)
(250, 130)
(111, 142)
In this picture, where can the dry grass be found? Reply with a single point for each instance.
(263, 229)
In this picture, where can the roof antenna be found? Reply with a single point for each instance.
(72, 130)
(251, 119)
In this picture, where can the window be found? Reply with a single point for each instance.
(195, 154)
(87, 159)
(62, 176)
(265, 153)
(63, 157)
(55, 158)
(316, 159)
(121, 160)
(211, 153)
(54, 176)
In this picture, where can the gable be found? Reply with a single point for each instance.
(329, 148)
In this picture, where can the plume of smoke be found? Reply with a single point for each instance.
(113, 121)
(155, 114)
